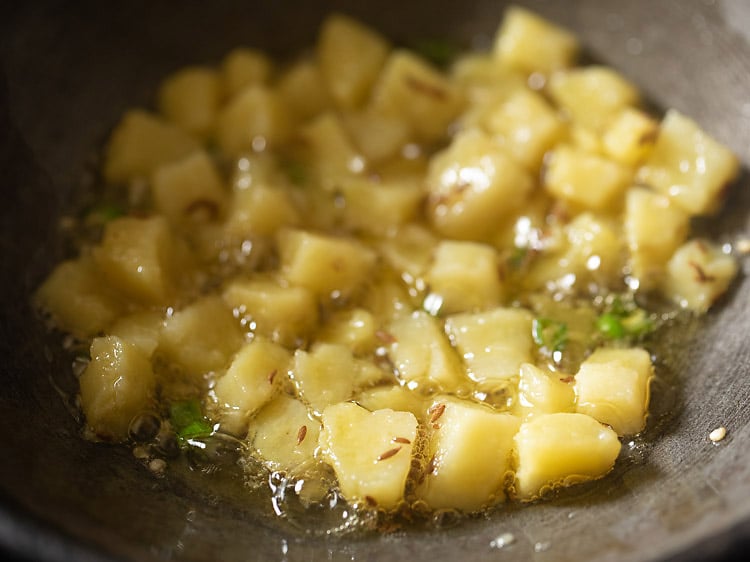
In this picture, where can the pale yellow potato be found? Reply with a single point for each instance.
(244, 67)
(395, 397)
(140, 143)
(482, 79)
(378, 137)
(469, 451)
(355, 328)
(409, 249)
(303, 89)
(376, 207)
(260, 210)
(142, 329)
(493, 344)
(612, 386)
(560, 450)
(544, 392)
(688, 165)
(190, 98)
(350, 56)
(116, 385)
(370, 452)
(630, 136)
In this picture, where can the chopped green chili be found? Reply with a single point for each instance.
(188, 420)
(550, 334)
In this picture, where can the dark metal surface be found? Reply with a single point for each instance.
(68, 69)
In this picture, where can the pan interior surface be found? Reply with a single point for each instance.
(68, 70)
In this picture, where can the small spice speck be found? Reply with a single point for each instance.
(718, 434)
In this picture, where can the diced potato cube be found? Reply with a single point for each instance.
(190, 98)
(370, 452)
(189, 189)
(379, 137)
(330, 267)
(470, 455)
(562, 449)
(409, 249)
(142, 329)
(698, 274)
(138, 257)
(395, 397)
(411, 90)
(140, 143)
(284, 434)
(377, 207)
(350, 56)
(585, 179)
(329, 373)
(250, 381)
(78, 299)
(543, 392)
(689, 166)
(287, 315)
(592, 95)
(260, 210)
(595, 250)
(116, 386)
(482, 78)
(201, 337)
(493, 344)
(630, 136)
(242, 68)
(422, 354)
(253, 119)
(354, 328)
(303, 90)
(654, 227)
(526, 126)
(387, 299)
(530, 43)
(463, 277)
(612, 387)
(473, 185)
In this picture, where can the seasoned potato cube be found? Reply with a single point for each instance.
(592, 95)
(242, 68)
(630, 136)
(287, 315)
(142, 329)
(543, 392)
(562, 449)
(330, 267)
(370, 452)
(189, 189)
(353, 328)
(473, 185)
(250, 381)
(463, 277)
(526, 126)
(284, 434)
(190, 98)
(350, 56)
(395, 397)
(379, 137)
(529, 43)
(688, 165)
(377, 207)
(260, 210)
(77, 298)
(139, 257)
(654, 228)
(482, 79)
(201, 337)
(329, 373)
(411, 90)
(612, 387)
(140, 143)
(116, 385)
(493, 344)
(254, 118)
(585, 179)
(409, 249)
(421, 352)
(303, 90)
(697, 274)
(470, 454)
(595, 249)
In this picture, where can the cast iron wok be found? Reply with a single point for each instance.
(70, 68)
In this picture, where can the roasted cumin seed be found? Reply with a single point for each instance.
(301, 434)
(403, 440)
(372, 502)
(385, 337)
(388, 454)
(436, 412)
(271, 376)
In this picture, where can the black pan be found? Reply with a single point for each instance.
(68, 69)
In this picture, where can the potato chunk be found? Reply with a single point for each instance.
(140, 143)
(612, 387)
(630, 136)
(254, 118)
(493, 344)
(689, 166)
(116, 385)
(190, 98)
(697, 274)
(473, 185)
(351, 56)
(303, 90)
(562, 449)
(353, 328)
(529, 43)
(370, 452)
(260, 210)
(544, 392)
(470, 455)
(394, 397)
(377, 207)
(463, 277)
(142, 329)
(242, 68)
(250, 381)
